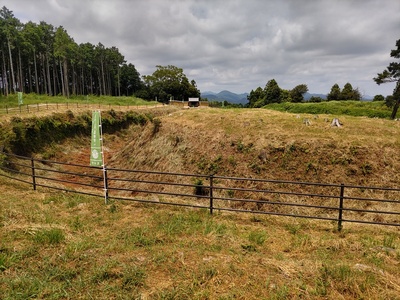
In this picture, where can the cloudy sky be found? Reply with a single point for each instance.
(238, 45)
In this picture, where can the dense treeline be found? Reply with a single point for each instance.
(43, 59)
(272, 93)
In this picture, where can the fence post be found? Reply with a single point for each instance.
(105, 184)
(341, 207)
(211, 195)
(33, 174)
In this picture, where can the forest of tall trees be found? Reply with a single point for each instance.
(43, 59)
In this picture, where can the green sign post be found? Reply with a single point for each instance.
(96, 151)
(20, 99)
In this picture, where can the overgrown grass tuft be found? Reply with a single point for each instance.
(49, 236)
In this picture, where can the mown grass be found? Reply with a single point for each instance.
(64, 246)
(371, 109)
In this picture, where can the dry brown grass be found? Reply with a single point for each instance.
(266, 144)
(132, 251)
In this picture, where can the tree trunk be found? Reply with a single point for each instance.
(66, 77)
(36, 74)
(30, 78)
(54, 77)
(5, 81)
(103, 78)
(48, 75)
(62, 80)
(119, 83)
(91, 82)
(82, 88)
(73, 80)
(395, 108)
(21, 74)
(396, 93)
(43, 73)
(11, 66)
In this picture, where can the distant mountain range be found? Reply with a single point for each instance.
(242, 98)
(226, 96)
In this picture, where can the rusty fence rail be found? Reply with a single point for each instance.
(337, 203)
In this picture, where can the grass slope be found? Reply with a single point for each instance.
(63, 246)
(266, 144)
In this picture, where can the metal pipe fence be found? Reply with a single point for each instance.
(37, 107)
(337, 203)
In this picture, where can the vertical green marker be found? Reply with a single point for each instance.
(20, 99)
(96, 155)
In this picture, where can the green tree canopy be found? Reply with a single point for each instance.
(392, 74)
(297, 93)
(130, 80)
(334, 94)
(272, 92)
(44, 59)
(378, 98)
(348, 93)
(256, 96)
(170, 82)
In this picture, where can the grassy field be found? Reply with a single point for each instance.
(64, 246)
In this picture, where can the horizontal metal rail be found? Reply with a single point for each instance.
(28, 108)
(320, 201)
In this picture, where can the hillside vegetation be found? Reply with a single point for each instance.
(234, 142)
(267, 144)
(63, 246)
(375, 109)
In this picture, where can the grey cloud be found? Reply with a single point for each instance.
(239, 44)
